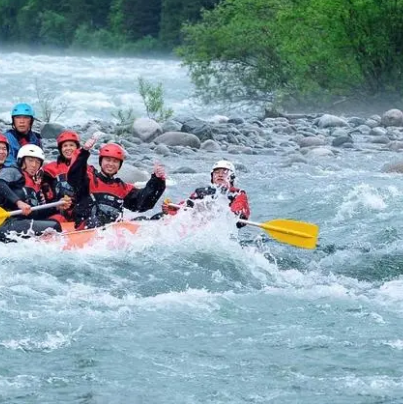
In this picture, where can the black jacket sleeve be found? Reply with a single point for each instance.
(141, 200)
(77, 175)
(7, 194)
(8, 177)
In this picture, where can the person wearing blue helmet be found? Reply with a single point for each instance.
(22, 116)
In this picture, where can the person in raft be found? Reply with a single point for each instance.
(100, 195)
(20, 188)
(222, 178)
(21, 133)
(54, 182)
(4, 150)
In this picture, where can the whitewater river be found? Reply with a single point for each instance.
(203, 317)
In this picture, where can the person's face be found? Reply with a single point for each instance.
(110, 165)
(3, 153)
(22, 123)
(221, 176)
(31, 165)
(68, 149)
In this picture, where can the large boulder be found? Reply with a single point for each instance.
(378, 131)
(202, 129)
(393, 117)
(178, 139)
(342, 140)
(310, 141)
(162, 150)
(146, 129)
(210, 146)
(51, 130)
(319, 152)
(330, 121)
(171, 126)
(373, 121)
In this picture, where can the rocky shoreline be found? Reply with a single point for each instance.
(301, 138)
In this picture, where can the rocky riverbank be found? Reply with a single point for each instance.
(298, 138)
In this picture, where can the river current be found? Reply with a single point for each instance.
(210, 316)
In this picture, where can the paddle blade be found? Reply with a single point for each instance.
(3, 215)
(299, 234)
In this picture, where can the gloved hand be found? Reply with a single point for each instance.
(167, 209)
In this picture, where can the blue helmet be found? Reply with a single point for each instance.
(23, 110)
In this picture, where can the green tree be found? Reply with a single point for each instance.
(174, 13)
(9, 31)
(233, 53)
(116, 17)
(28, 23)
(141, 18)
(53, 30)
(250, 49)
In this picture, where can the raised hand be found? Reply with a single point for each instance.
(89, 144)
(159, 171)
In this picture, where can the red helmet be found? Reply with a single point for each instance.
(3, 139)
(68, 135)
(112, 150)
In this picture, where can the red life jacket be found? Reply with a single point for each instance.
(30, 193)
(58, 171)
(109, 194)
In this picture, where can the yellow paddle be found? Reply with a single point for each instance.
(5, 215)
(298, 234)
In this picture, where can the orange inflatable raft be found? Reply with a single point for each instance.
(117, 234)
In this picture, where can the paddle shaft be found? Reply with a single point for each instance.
(175, 205)
(39, 207)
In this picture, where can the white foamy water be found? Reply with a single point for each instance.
(92, 87)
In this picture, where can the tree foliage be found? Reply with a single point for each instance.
(153, 99)
(84, 23)
(255, 48)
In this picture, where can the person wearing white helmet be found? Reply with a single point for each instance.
(20, 188)
(222, 178)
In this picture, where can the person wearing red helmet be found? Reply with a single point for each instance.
(222, 178)
(4, 150)
(54, 183)
(101, 196)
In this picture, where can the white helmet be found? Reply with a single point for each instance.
(227, 165)
(30, 150)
